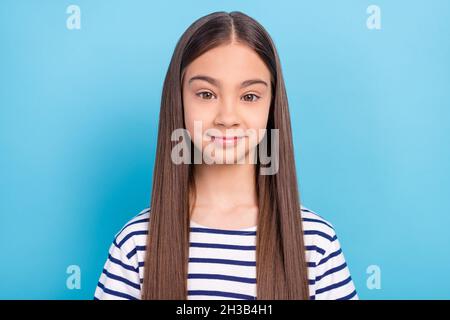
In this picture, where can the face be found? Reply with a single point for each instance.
(226, 98)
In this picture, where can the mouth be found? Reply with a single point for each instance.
(226, 140)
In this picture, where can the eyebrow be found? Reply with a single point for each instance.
(216, 82)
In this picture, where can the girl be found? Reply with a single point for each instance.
(231, 229)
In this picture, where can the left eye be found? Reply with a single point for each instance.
(250, 97)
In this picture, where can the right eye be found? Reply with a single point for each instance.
(205, 95)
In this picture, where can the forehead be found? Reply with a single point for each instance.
(230, 63)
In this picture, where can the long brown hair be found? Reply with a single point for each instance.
(281, 269)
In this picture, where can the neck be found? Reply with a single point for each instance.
(225, 185)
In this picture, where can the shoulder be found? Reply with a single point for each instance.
(134, 232)
(329, 274)
(319, 236)
(314, 224)
(123, 272)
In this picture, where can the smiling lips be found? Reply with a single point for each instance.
(232, 140)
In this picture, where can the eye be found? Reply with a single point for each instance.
(251, 97)
(205, 95)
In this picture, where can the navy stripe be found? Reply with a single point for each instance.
(131, 223)
(318, 221)
(223, 261)
(220, 294)
(349, 296)
(220, 277)
(116, 293)
(142, 213)
(121, 279)
(134, 222)
(220, 231)
(334, 285)
(331, 255)
(221, 246)
(332, 270)
(136, 248)
(131, 253)
(312, 212)
(128, 236)
(313, 297)
(120, 263)
(320, 233)
(315, 248)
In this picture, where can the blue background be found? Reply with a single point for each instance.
(79, 116)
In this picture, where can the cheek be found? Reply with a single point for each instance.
(259, 120)
(191, 112)
(257, 117)
(193, 115)
(197, 120)
(256, 120)
(195, 110)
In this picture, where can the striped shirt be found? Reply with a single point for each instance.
(222, 262)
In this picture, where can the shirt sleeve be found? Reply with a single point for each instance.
(332, 276)
(120, 278)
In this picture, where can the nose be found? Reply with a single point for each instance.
(227, 114)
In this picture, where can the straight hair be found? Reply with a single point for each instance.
(281, 268)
